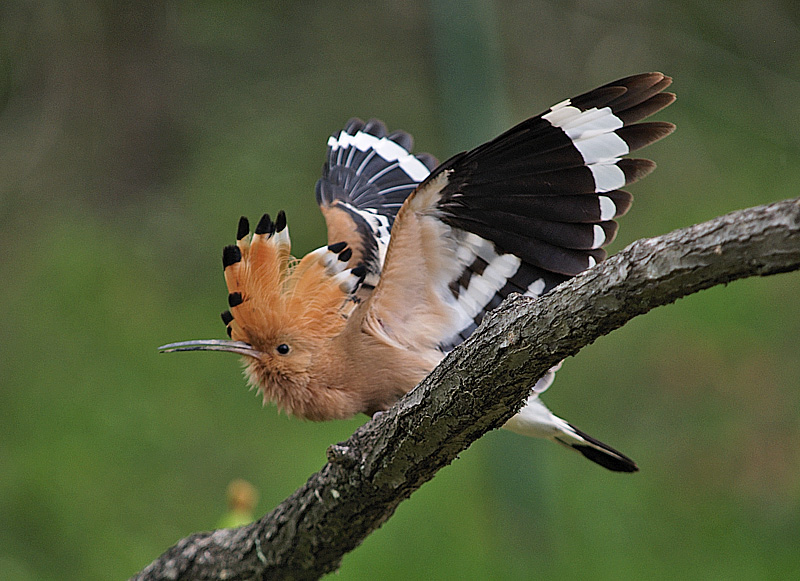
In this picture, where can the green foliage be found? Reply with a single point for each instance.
(131, 143)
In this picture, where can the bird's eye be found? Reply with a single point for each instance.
(282, 349)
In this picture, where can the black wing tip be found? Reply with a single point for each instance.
(631, 98)
(428, 160)
(642, 81)
(639, 135)
(664, 99)
(375, 127)
(363, 173)
(353, 125)
(337, 247)
(345, 255)
(635, 168)
(359, 271)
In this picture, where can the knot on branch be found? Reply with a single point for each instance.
(343, 455)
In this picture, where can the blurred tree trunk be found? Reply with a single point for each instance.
(141, 80)
(473, 107)
(90, 100)
(469, 70)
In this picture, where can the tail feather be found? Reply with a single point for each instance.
(599, 452)
(537, 421)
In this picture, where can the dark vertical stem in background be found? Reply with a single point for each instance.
(467, 50)
(469, 69)
(90, 102)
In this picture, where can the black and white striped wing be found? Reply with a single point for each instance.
(367, 176)
(523, 212)
(536, 205)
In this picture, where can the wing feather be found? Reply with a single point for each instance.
(367, 176)
(521, 213)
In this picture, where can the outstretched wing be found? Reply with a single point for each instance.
(366, 178)
(521, 213)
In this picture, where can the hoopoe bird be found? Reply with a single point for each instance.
(418, 252)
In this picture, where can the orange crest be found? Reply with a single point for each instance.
(272, 295)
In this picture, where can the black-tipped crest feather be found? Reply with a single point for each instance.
(243, 229)
(280, 221)
(235, 299)
(230, 255)
(265, 225)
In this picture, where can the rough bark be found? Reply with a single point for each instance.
(476, 389)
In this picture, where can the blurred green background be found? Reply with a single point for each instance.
(134, 134)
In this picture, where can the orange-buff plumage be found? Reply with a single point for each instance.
(419, 252)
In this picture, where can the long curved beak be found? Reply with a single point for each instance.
(239, 347)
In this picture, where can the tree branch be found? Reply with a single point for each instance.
(476, 389)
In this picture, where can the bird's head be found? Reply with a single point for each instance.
(283, 312)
